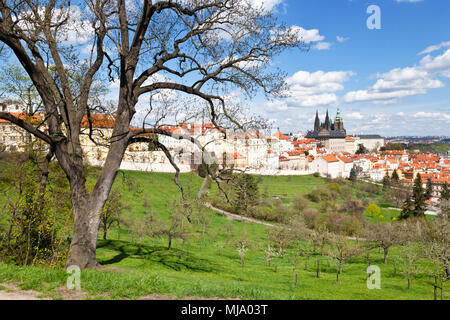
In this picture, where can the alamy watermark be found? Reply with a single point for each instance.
(74, 280)
(374, 21)
(374, 278)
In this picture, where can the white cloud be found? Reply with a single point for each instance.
(322, 46)
(316, 88)
(309, 37)
(433, 48)
(268, 5)
(354, 115)
(341, 39)
(433, 115)
(403, 82)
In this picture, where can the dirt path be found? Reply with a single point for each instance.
(11, 292)
(232, 216)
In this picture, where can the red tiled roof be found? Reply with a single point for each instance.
(330, 158)
(281, 136)
(99, 121)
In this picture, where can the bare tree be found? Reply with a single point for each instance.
(342, 250)
(411, 233)
(383, 235)
(436, 245)
(200, 49)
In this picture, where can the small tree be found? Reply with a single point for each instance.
(429, 189)
(386, 181)
(373, 210)
(410, 232)
(243, 244)
(111, 212)
(342, 250)
(383, 235)
(353, 175)
(246, 193)
(407, 208)
(174, 228)
(395, 178)
(419, 198)
(280, 238)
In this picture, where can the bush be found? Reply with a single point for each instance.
(35, 225)
(373, 210)
(351, 226)
(370, 188)
(352, 206)
(316, 174)
(299, 203)
(310, 216)
(335, 187)
(323, 194)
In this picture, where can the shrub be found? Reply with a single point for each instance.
(37, 218)
(373, 210)
(351, 225)
(370, 188)
(335, 187)
(299, 203)
(310, 216)
(323, 194)
(352, 206)
(314, 196)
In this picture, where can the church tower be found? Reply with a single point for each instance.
(317, 122)
(327, 122)
(339, 122)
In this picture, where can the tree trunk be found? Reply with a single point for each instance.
(87, 208)
(386, 251)
(85, 229)
(170, 242)
(447, 269)
(317, 268)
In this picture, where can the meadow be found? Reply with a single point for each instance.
(207, 264)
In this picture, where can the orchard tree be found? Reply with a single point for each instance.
(383, 235)
(111, 212)
(342, 250)
(165, 57)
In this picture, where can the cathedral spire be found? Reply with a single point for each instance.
(327, 122)
(317, 122)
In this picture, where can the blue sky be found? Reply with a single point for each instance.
(391, 81)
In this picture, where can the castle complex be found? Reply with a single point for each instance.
(334, 137)
(327, 129)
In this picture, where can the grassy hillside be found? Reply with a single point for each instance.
(208, 264)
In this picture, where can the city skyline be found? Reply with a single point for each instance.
(392, 81)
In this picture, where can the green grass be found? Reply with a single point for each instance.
(207, 267)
